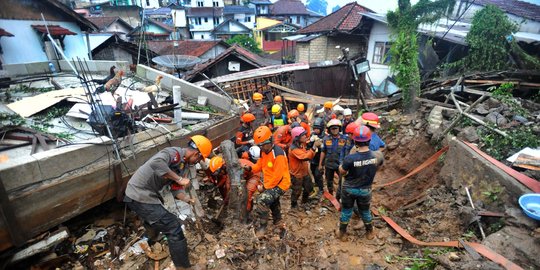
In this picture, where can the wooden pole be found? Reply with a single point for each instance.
(238, 192)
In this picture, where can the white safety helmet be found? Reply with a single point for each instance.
(255, 152)
(347, 112)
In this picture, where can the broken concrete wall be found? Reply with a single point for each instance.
(187, 88)
(62, 65)
(464, 167)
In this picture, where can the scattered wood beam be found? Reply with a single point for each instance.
(41, 246)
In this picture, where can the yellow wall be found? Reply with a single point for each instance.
(262, 23)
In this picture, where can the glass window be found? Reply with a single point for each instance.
(381, 55)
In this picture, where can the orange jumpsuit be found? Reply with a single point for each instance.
(283, 138)
(252, 180)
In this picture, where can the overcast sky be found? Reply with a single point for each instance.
(381, 6)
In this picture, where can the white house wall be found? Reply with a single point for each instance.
(207, 3)
(26, 46)
(148, 3)
(212, 53)
(179, 17)
(379, 33)
(97, 39)
(206, 35)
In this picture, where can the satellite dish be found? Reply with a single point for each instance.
(176, 61)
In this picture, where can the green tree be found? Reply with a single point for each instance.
(491, 43)
(246, 42)
(403, 23)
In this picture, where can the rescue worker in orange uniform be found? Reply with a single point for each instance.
(276, 179)
(259, 111)
(299, 158)
(220, 177)
(244, 135)
(302, 110)
(282, 137)
(294, 117)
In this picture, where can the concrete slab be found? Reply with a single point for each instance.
(38, 67)
(16, 69)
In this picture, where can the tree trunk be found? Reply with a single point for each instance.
(238, 192)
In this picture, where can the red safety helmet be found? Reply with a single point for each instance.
(362, 134)
(351, 127)
(370, 119)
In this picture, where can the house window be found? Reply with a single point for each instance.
(297, 19)
(202, 36)
(200, 3)
(216, 20)
(247, 19)
(147, 2)
(215, 4)
(381, 54)
(197, 21)
(205, 19)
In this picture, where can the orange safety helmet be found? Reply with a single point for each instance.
(371, 119)
(300, 107)
(349, 129)
(328, 105)
(293, 114)
(202, 144)
(216, 163)
(277, 99)
(247, 118)
(362, 134)
(257, 96)
(262, 135)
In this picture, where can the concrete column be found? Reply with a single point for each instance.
(177, 98)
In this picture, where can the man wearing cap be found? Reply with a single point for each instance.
(142, 193)
(302, 110)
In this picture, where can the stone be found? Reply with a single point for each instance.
(202, 100)
(491, 103)
(355, 260)
(220, 253)
(391, 146)
(418, 125)
(517, 218)
(481, 109)
(517, 246)
(452, 256)
(520, 119)
(435, 119)
(393, 112)
(496, 118)
(469, 134)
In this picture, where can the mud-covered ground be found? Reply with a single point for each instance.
(421, 205)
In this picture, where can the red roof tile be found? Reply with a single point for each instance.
(288, 7)
(4, 33)
(344, 19)
(102, 22)
(55, 30)
(185, 47)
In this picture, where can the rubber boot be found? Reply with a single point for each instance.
(370, 232)
(181, 255)
(342, 232)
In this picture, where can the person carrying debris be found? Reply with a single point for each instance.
(278, 118)
(317, 135)
(332, 155)
(276, 179)
(302, 110)
(244, 135)
(259, 110)
(371, 120)
(253, 154)
(359, 170)
(220, 177)
(299, 158)
(142, 193)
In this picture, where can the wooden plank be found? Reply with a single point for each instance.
(31, 105)
(9, 219)
(52, 203)
(476, 92)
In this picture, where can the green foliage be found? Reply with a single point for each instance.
(425, 262)
(11, 119)
(403, 23)
(493, 194)
(469, 235)
(504, 94)
(500, 147)
(27, 89)
(487, 40)
(246, 42)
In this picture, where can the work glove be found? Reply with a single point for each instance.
(252, 142)
(317, 144)
(313, 138)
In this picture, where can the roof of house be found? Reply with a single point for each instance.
(261, 2)
(168, 28)
(130, 47)
(235, 50)
(104, 22)
(157, 11)
(519, 8)
(55, 30)
(184, 47)
(224, 27)
(344, 19)
(238, 10)
(279, 25)
(288, 7)
(204, 11)
(161, 25)
(4, 33)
